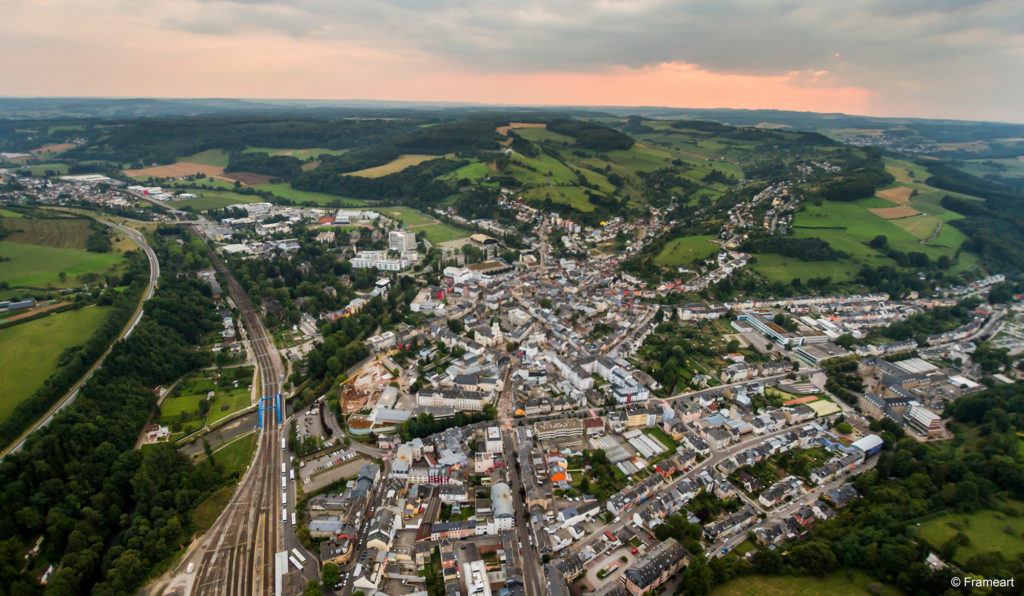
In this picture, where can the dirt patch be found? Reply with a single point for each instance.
(36, 311)
(503, 130)
(895, 212)
(178, 170)
(899, 195)
(249, 178)
(53, 148)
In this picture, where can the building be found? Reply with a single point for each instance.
(401, 241)
(558, 429)
(492, 440)
(502, 507)
(870, 445)
(923, 420)
(656, 567)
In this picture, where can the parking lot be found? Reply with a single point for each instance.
(318, 473)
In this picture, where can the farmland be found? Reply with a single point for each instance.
(303, 154)
(31, 350)
(210, 157)
(396, 165)
(987, 530)
(683, 251)
(417, 221)
(285, 191)
(176, 170)
(38, 250)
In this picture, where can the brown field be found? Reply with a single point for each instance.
(895, 212)
(36, 311)
(503, 130)
(899, 195)
(247, 178)
(177, 169)
(53, 148)
(396, 165)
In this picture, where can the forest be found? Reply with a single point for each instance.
(107, 512)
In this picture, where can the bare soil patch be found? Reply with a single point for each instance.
(177, 170)
(899, 195)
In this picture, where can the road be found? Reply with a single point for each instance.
(712, 461)
(526, 556)
(69, 397)
(236, 556)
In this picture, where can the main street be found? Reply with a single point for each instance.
(236, 556)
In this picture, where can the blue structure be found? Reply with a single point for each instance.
(275, 406)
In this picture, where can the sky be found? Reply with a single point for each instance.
(920, 58)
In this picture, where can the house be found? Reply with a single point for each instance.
(841, 495)
(655, 567)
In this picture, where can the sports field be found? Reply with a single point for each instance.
(684, 251)
(841, 583)
(29, 352)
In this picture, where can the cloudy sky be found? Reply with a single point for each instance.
(927, 58)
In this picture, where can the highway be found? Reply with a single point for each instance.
(69, 397)
(236, 556)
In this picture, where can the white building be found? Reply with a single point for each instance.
(401, 241)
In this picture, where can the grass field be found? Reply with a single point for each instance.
(9, 213)
(55, 233)
(441, 232)
(848, 226)
(285, 191)
(40, 266)
(40, 169)
(302, 154)
(988, 530)
(543, 134)
(683, 251)
(473, 172)
(407, 215)
(571, 195)
(236, 455)
(841, 583)
(29, 351)
(183, 405)
(397, 165)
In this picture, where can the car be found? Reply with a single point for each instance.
(725, 550)
(633, 551)
(651, 536)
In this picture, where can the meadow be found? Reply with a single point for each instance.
(988, 530)
(285, 191)
(684, 251)
(29, 352)
(303, 154)
(181, 410)
(847, 582)
(37, 250)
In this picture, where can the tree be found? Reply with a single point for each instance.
(313, 588)
(732, 346)
(879, 241)
(330, 574)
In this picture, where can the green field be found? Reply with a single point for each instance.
(571, 195)
(30, 351)
(473, 172)
(9, 213)
(210, 157)
(181, 410)
(684, 251)
(285, 191)
(988, 530)
(841, 583)
(40, 169)
(40, 266)
(441, 232)
(543, 134)
(407, 215)
(303, 154)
